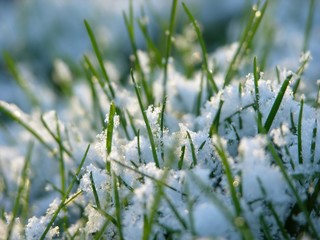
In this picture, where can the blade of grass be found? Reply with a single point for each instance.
(245, 41)
(21, 188)
(110, 126)
(181, 158)
(256, 89)
(117, 206)
(99, 57)
(13, 69)
(55, 137)
(15, 115)
(308, 27)
(168, 47)
(240, 221)
(193, 151)
(145, 118)
(300, 133)
(291, 185)
(215, 123)
(276, 104)
(95, 99)
(162, 127)
(94, 190)
(313, 142)
(129, 22)
(203, 48)
(65, 198)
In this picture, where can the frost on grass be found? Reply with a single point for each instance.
(218, 177)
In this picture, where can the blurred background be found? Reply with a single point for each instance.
(39, 35)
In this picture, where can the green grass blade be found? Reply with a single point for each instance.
(162, 127)
(245, 41)
(112, 112)
(291, 185)
(168, 48)
(117, 205)
(145, 118)
(256, 89)
(314, 139)
(13, 69)
(65, 198)
(181, 158)
(215, 123)
(129, 22)
(57, 138)
(95, 99)
(94, 190)
(193, 151)
(276, 104)
(89, 66)
(309, 23)
(99, 57)
(203, 48)
(300, 133)
(223, 157)
(21, 188)
(15, 115)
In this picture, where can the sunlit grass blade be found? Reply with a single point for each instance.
(22, 187)
(117, 205)
(65, 198)
(168, 47)
(99, 57)
(13, 69)
(245, 41)
(145, 118)
(300, 133)
(276, 104)
(203, 49)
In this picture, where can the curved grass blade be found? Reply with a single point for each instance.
(94, 190)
